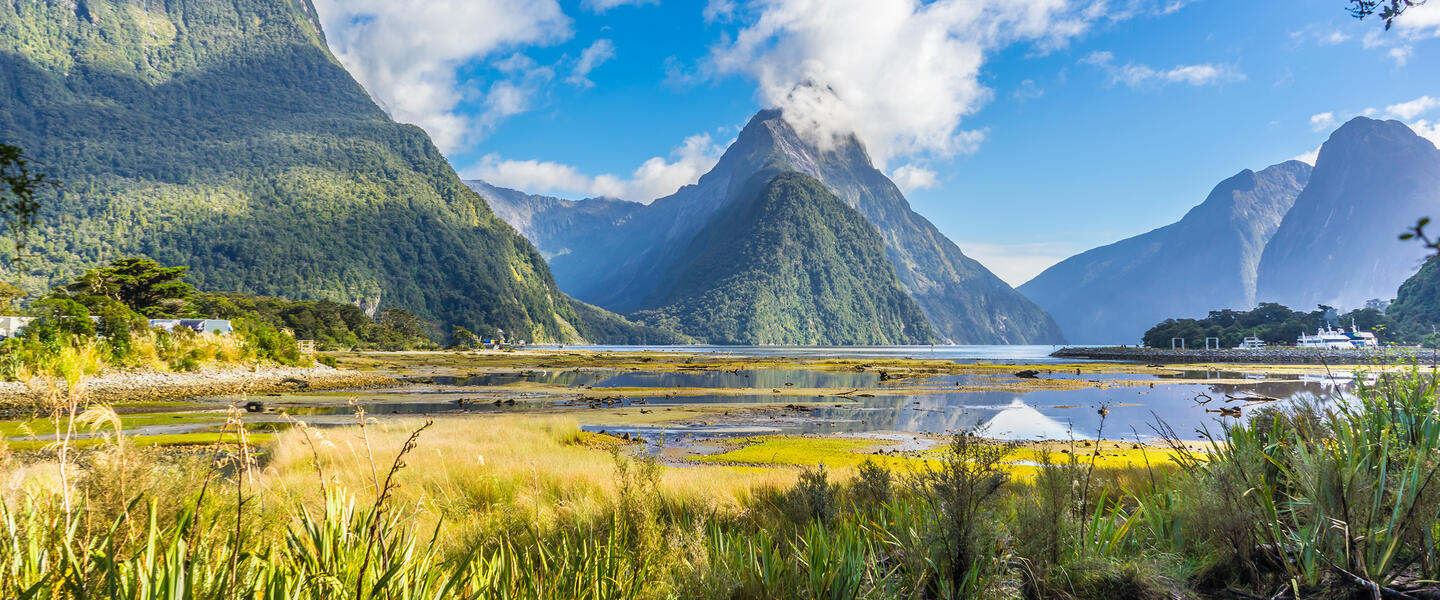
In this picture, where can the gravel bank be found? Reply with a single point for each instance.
(121, 387)
(1267, 356)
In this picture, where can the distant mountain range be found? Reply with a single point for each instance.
(618, 256)
(1288, 234)
(1338, 245)
(223, 135)
(1206, 260)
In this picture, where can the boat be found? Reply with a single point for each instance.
(1251, 343)
(1327, 338)
(1361, 339)
(1338, 339)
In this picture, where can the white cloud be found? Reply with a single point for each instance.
(901, 74)
(1427, 130)
(719, 10)
(593, 56)
(913, 177)
(1333, 37)
(655, 178)
(1173, 7)
(1139, 75)
(1027, 90)
(1401, 54)
(406, 54)
(1323, 35)
(1413, 108)
(1016, 263)
(530, 175)
(1322, 121)
(1420, 21)
(1308, 157)
(600, 6)
(1374, 39)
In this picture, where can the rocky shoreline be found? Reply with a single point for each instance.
(1264, 356)
(139, 386)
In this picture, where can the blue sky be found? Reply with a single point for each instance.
(1027, 130)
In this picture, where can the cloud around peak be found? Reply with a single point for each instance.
(655, 178)
(900, 74)
(406, 54)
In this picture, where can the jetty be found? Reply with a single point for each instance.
(1268, 355)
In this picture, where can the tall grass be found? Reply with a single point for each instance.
(1313, 499)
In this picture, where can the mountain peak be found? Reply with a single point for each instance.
(777, 135)
(1372, 134)
(1371, 181)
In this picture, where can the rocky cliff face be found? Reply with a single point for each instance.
(964, 302)
(1206, 261)
(1338, 245)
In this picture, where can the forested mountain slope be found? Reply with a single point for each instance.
(787, 264)
(1417, 302)
(222, 134)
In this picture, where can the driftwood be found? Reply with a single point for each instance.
(1377, 591)
(1251, 397)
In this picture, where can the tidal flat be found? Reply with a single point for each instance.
(716, 407)
(680, 473)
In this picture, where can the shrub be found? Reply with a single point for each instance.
(813, 497)
(873, 485)
(961, 495)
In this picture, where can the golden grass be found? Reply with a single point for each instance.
(486, 472)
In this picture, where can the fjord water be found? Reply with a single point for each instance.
(1134, 404)
(1030, 354)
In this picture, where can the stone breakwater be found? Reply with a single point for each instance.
(1276, 356)
(131, 386)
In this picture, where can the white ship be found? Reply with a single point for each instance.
(1251, 343)
(1361, 339)
(1338, 339)
(1330, 339)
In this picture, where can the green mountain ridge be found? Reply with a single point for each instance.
(788, 264)
(224, 135)
(1417, 302)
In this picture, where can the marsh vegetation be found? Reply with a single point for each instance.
(1309, 500)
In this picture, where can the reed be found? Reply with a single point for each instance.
(1311, 500)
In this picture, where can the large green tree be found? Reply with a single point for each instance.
(143, 285)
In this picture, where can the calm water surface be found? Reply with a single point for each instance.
(1027, 354)
(1133, 410)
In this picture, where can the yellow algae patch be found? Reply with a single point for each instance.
(1110, 456)
(45, 426)
(834, 452)
(142, 441)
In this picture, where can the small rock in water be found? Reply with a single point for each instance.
(1028, 374)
